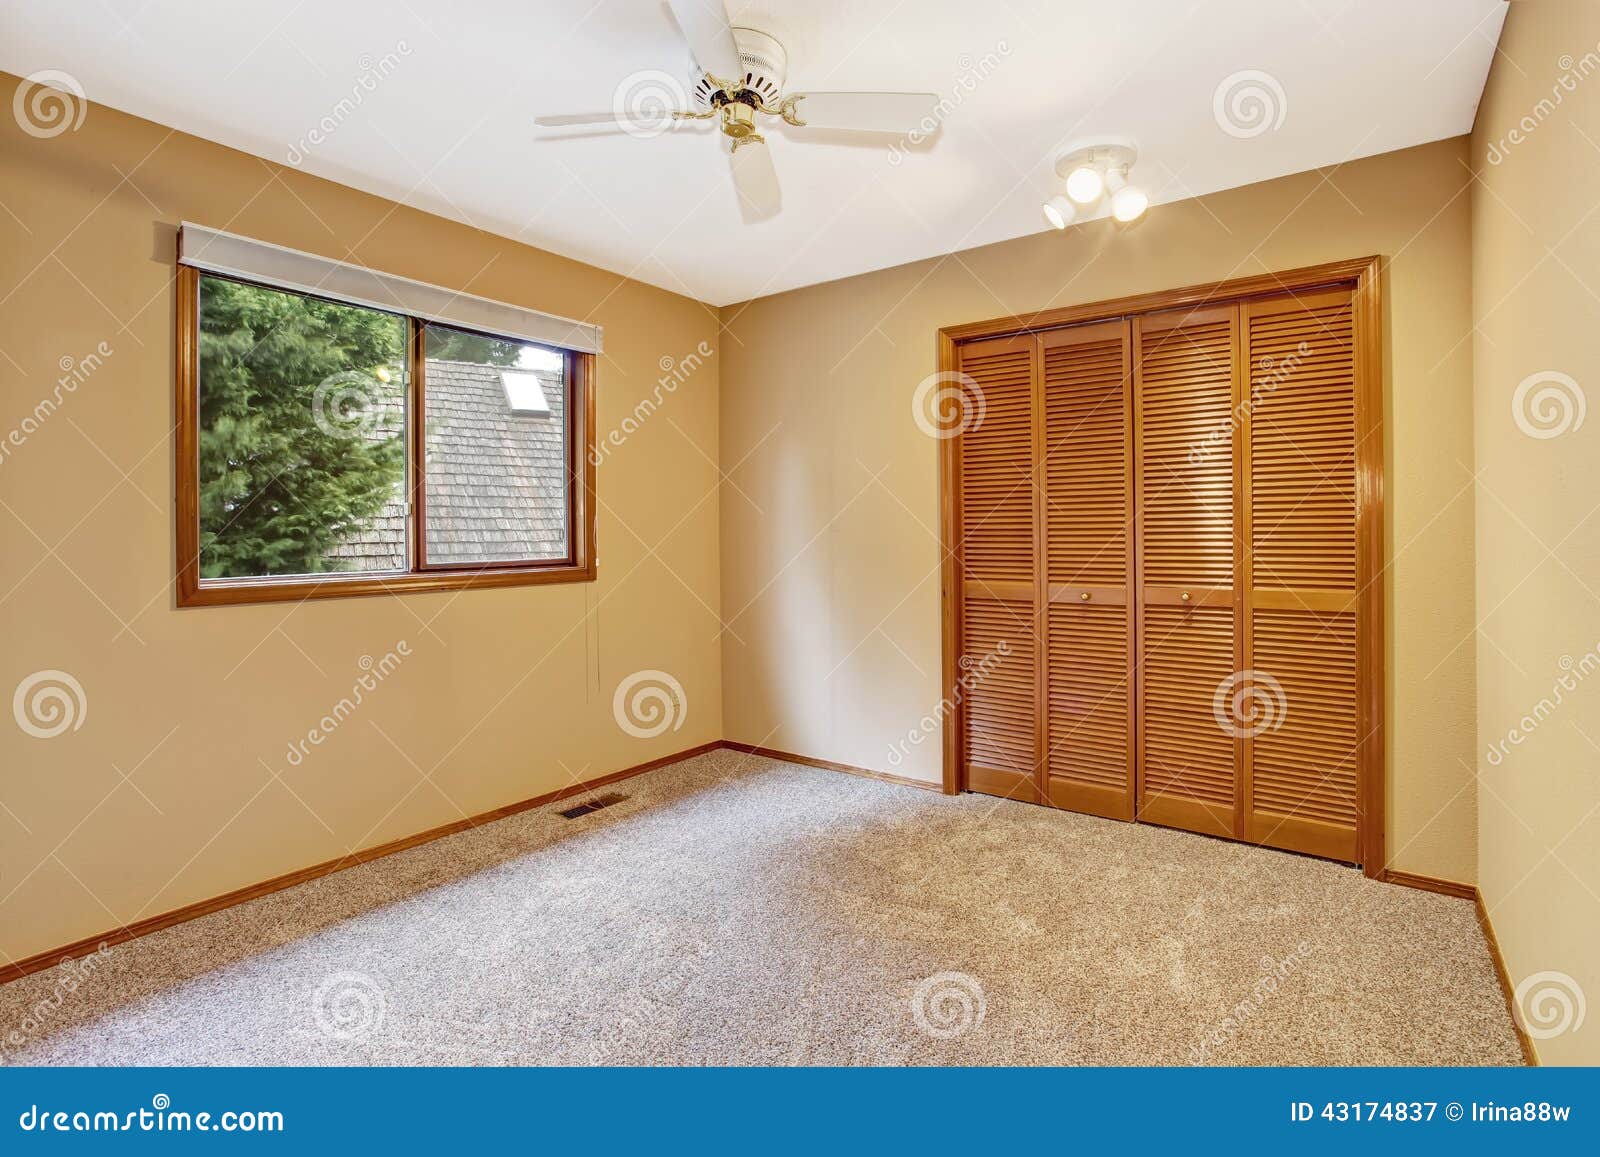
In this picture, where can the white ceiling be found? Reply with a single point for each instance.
(449, 128)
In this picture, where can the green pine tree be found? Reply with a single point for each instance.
(459, 346)
(288, 473)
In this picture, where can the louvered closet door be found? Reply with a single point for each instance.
(1087, 517)
(1302, 713)
(1185, 393)
(999, 679)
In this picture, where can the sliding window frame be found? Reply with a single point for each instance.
(193, 591)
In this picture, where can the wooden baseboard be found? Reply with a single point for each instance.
(829, 765)
(88, 944)
(1429, 884)
(1530, 1055)
(1470, 892)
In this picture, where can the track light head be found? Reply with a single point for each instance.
(1059, 211)
(1085, 185)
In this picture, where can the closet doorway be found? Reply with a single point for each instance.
(1162, 520)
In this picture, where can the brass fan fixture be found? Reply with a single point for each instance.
(738, 76)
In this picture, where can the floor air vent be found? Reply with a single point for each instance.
(593, 804)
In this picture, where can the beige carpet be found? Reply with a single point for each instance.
(736, 910)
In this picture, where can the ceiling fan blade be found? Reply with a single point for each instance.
(756, 180)
(704, 24)
(868, 112)
(577, 118)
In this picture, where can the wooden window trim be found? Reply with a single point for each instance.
(192, 591)
(1364, 275)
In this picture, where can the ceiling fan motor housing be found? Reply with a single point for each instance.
(765, 64)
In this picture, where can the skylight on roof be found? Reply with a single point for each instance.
(524, 394)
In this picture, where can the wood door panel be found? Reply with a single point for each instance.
(997, 464)
(999, 652)
(1090, 738)
(1185, 406)
(1302, 443)
(1000, 697)
(1186, 389)
(1086, 457)
(1304, 762)
(1087, 523)
(1187, 765)
(1302, 766)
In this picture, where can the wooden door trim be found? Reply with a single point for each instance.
(1364, 274)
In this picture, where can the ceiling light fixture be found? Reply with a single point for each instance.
(1090, 170)
(1059, 211)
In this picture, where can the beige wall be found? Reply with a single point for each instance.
(506, 694)
(1536, 302)
(831, 574)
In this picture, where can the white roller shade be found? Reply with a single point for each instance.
(217, 252)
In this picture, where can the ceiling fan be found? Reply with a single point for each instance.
(739, 75)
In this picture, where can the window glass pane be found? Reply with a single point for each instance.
(302, 434)
(495, 482)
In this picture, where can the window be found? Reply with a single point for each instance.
(332, 447)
